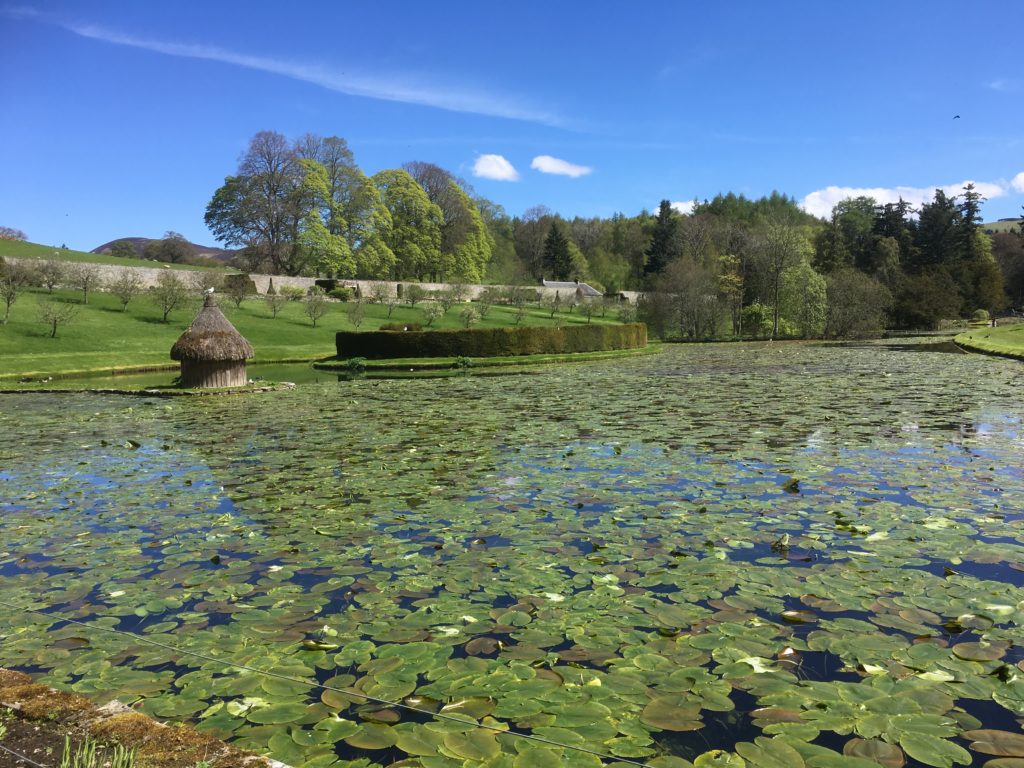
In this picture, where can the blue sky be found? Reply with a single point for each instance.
(122, 118)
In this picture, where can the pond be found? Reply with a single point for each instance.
(763, 554)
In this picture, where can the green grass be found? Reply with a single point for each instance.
(1003, 226)
(1007, 340)
(22, 250)
(102, 339)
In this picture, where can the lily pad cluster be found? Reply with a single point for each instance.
(723, 555)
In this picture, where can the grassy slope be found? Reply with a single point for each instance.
(1003, 226)
(102, 338)
(1007, 340)
(23, 250)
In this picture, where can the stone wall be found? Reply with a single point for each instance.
(149, 275)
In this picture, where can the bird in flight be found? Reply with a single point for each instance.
(956, 117)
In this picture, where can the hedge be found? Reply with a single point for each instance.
(491, 342)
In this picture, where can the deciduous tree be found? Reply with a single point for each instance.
(169, 293)
(126, 286)
(415, 235)
(54, 313)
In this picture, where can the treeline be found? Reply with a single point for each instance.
(733, 266)
(305, 207)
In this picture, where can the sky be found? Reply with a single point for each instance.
(122, 118)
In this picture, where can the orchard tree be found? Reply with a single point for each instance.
(169, 293)
(126, 286)
(54, 313)
(315, 304)
(51, 273)
(14, 278)
(85, 277)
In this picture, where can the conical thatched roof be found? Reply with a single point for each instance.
(211, 337)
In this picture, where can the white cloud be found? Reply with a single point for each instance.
(821, 201)
(1018, 182)
(395, 88)
(549, 164)
(684, 208)
(494, 167)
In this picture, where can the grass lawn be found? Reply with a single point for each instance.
(102, 338)
(21, 250)
(1006, 340)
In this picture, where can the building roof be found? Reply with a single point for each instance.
(584, 289)
(211, 338)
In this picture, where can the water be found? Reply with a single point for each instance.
(608, 524)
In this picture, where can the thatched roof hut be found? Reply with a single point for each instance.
(211, 351)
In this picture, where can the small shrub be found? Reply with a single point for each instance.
(293, 292)
(469, 316)
(341, 294)
(980, 316)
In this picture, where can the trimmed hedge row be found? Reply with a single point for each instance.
(491, 342)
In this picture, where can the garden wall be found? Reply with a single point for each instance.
(490, 342)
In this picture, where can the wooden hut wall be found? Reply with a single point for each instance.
(229, 373)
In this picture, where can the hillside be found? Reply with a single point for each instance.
(20, 249)
(1002, 225)
(139, 244)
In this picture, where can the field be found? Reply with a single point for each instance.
(775, 556)
(102, 338)
(1003, 226)
(22, 250)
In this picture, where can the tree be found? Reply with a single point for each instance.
(315, 305)
(54, 313)
(466, 244)
(780, 246)
(415, 235)
(238, 290)
(14, 278)
(10, 233)
(414, 294)
(169, 293)
(275, 301)
(85, 277)
(557, 257)
(126, 286)
(552, 302)
(172, 249)
(51, 273)
(432, 311)
(529, 234)
(469, 316)
(664, 247)
(803, 300)
(323, 224)
(123, 249)
(356, 311)
(259, 208)
(858, 305)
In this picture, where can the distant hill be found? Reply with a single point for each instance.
(139, 244)
(1003, 225)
